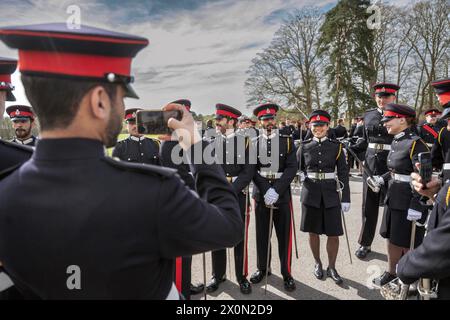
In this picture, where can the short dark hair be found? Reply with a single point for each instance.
(56, 101)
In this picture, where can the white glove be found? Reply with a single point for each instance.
(378, 180)
(301, 176)
(345, 206)
(375, 183)
(414, 215)
(271, 197)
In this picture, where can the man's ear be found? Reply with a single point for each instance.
(100, 103)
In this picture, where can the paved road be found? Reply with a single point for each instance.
(357, 276)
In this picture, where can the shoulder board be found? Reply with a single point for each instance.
(371, 110)
(17, 146)
(141, 168)
(157, 141)
(334, 140)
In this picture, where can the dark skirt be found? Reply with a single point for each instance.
(397, 228)
(322, 220)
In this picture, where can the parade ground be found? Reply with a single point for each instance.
(357, 276)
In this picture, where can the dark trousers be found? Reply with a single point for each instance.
(219, 257)
(283, 229)
(370, 205)
(183, 276)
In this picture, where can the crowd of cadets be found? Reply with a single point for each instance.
(386, 139)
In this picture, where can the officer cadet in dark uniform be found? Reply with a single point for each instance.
(11, 154)
(402, 204)
(137, 147)
(440, 153)
(429, 130)
(22, 118)
(276, 168)
(183, 265)
(321, 203)
(340, 130)
(376, 143)
(232, 150)
(98, 228)
(431, 260)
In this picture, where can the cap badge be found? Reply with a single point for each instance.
(318, 117)
(17, 112)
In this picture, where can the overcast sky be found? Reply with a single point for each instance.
(198, 49)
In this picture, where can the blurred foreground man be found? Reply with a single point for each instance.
(83, 241)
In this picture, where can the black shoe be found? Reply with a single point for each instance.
(383, 279)
(332, 273)
(289, 283)
(258, 276)
(245, 286)
(197, 289)
(362, 252)
(318, 271)
(214, 284)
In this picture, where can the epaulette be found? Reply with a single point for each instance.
(157, 141)
(447, 197)
(17, 146)
(141, 168)
(334, 140)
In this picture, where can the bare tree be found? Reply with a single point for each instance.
(428, 34)
(288, 70)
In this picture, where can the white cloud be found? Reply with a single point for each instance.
(199, 54)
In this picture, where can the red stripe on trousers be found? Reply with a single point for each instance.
(246, 242)
(178, 273)
(290, 239)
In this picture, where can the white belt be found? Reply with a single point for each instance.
(380, 146)
(231, 179)
(430, 145)
(446, 166)
(401, 177)
(270, 175)
(321, 175)
(173, 294)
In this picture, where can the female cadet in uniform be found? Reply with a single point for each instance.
(321, 206)
(402, 205)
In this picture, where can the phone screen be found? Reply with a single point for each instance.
(426, 167)
(155, 121)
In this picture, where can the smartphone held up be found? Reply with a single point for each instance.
(155, 121)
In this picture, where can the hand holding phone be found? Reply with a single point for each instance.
(426, 167)
(156, 121)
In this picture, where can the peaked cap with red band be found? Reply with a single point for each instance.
(90, 54)
(266, 111)
(222, 110)
(319, 117)
(393, 110)
(20, 112)
(130, 114)
(184, 102)
(7, 68)
(385, 89)
(442, 88)
(432, 111)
